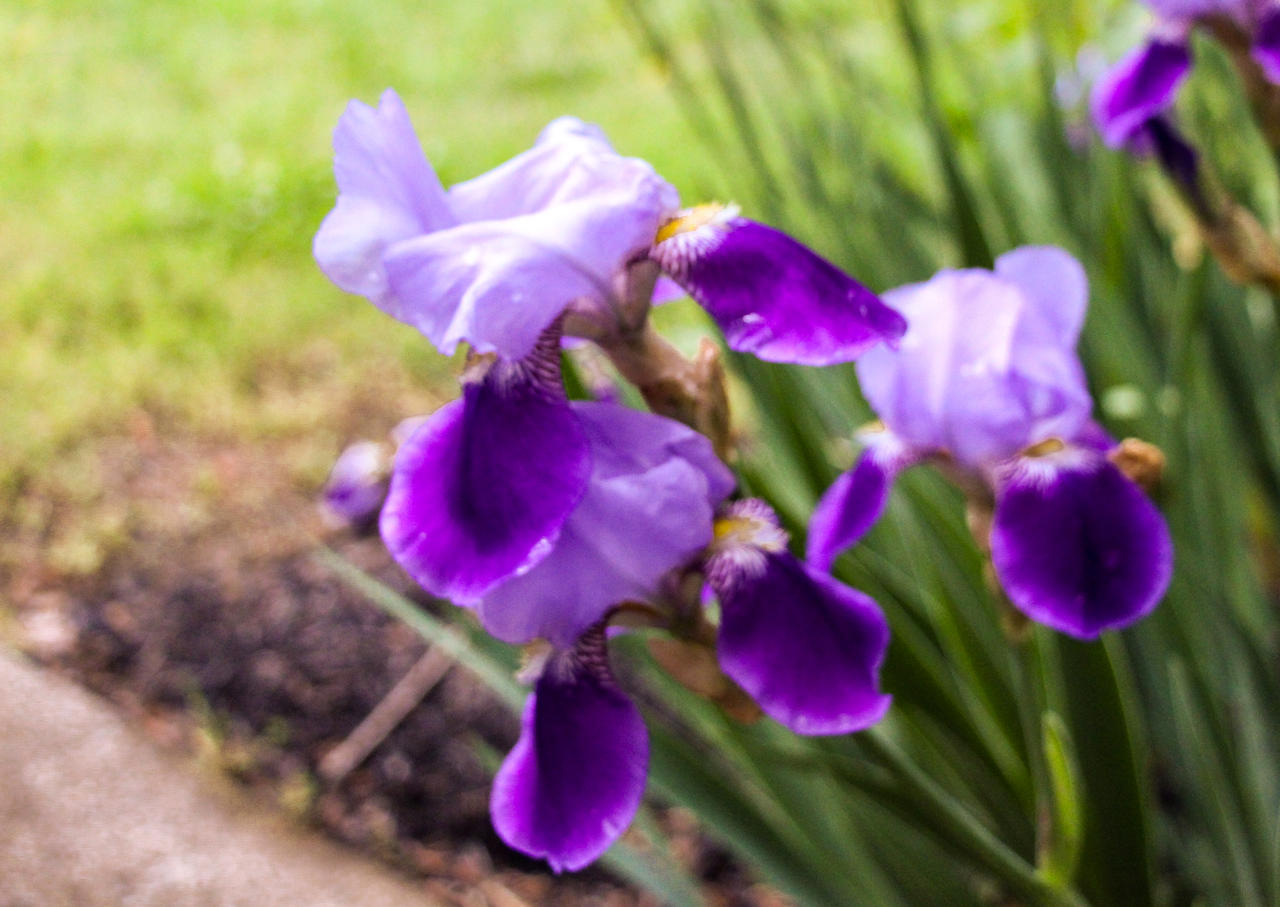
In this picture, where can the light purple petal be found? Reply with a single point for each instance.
(1266, 43)
(807, 648)
(571, 161)
(387, 192)
(1056, 290)
(981, 372)
(481, 490)
(1076, 545)
(648, 509)
(357, 484)
(855, 500)
(1138, 88)
(497, 284)
(772, 296)
(576, 776)
(1184, 10)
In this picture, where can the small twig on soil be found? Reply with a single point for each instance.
(386, 715)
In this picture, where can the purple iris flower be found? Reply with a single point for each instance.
(987, 381)
(806, 647)
(540, 513)
(1143, 85)
(494, 260)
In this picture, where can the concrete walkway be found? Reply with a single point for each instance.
(91, 815)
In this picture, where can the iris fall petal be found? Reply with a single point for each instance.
(482, 488)
(772, 296)
(576, 777)
(1076, 545)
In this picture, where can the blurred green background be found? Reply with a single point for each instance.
(163, 168)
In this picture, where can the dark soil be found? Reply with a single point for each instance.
(180, 583)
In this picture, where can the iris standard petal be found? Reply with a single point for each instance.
(1055, 287)
(1138, 88)
(648, 509)
(981, 372)
(576, 776)
(387, 192)
(497, 284)
(807, 648)
(855, 500)
(480, 491)
(770, 295)
(1076, 545)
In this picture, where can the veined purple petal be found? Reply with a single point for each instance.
(576, 776)
(481, 490)
(983, 371)
(807, 648)
(855, 500)
(648, 509)
(1076, 545)
(1138, 88)
(387, 192)
(1266, 43)
(772, 296)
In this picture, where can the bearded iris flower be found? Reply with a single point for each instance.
(1143, 85)
(987, 382)
(545, 516)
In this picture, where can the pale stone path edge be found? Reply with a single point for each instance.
(92, 815)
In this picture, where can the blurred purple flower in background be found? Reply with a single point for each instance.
(1143, 85)
(987, 382)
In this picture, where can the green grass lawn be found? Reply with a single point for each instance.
(164, 166)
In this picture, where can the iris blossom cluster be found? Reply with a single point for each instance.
(549, 517)
(1137, 93)
(986, 384)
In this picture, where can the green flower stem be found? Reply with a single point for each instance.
(964, 829)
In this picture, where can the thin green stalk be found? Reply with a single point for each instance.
(965, 830)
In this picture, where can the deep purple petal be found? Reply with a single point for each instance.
(481, 490)
(576, 776)
(807, 648)
(648, 509)
(1138, 88)
(773, 297)
(855, 500)
(387, 192)
(1266, 43)
(1076, 545)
